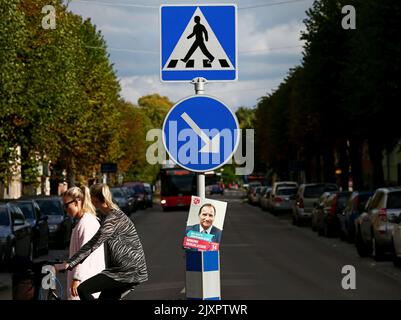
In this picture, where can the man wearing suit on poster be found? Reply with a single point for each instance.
(207, 214)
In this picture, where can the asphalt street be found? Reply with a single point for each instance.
(261, 257)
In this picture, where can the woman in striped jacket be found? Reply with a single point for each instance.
(125, 266)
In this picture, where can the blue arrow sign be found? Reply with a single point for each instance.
(200, 133)
(198, 41)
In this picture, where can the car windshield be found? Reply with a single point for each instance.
(342, 200)
(4, 219)
(139, 188)
(117, 193)
(394, 200)
(27, 210)
(286, 185)
(50, 207)
(363, 199)
(286, 191)
(173, 185)
(317, 190)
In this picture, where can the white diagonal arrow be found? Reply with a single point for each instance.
(211, 145)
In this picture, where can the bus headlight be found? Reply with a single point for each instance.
(163, 201)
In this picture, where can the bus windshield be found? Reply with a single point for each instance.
(178, 182)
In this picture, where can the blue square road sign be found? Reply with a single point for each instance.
(198, 41)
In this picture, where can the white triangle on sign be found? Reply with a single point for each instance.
(213, 46)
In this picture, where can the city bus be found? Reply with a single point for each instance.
(177, 187)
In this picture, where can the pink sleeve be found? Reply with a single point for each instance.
(85, 232)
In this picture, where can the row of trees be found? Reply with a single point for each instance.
(341, 98)
(60, 102)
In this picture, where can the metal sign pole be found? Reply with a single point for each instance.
(202, 267)
(199, 84)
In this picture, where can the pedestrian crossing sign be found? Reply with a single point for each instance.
(198, 41)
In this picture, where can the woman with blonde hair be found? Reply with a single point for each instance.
(126, 265)
(78, 204)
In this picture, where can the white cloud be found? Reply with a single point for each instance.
(235, 94)
(255, 40)
(260, 32)
(116, 30)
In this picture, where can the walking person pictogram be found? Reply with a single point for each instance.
(198, 31)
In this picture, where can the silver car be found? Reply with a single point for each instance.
(264, 200)
(308, 194)
(397, 241)
(283, 199)
(374, 227)
(317, 210)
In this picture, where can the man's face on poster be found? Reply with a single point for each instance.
(206, 217)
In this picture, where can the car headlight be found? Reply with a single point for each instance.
(53, 227)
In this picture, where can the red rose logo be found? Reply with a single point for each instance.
(196, 201)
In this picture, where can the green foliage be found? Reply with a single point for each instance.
(136, 121)
(12, 38)
(246, 117)
(155, 108)
(344, 91)
(58, 93)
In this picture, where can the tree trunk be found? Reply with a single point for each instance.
(55, 178)
(376, 157)
(343, 164)
(71, 174)
(328, 165)
(355, 151)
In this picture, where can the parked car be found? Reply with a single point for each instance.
(317, 210)
(121, 199)
(374, 227)
(397, 241)
(216, 189)
(283, 199)
(262, 195)
(15, 234)
(60, 223)
(307, 195)
(264, 199)
(132, 201)
(251, 189)
(148, 195)
(355, 206)
(140, 194)
(254, 196)
(283, 184)
(333, 206)
(39, 224)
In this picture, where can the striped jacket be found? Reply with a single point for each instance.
(125, 253)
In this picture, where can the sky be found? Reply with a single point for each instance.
(268, 46)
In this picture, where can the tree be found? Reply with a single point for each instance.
(12, 113)
(155, 107)
(60, 92)
(372, 82)
(137, 121)
(246, 117)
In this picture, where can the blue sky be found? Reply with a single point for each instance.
(268, 46)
